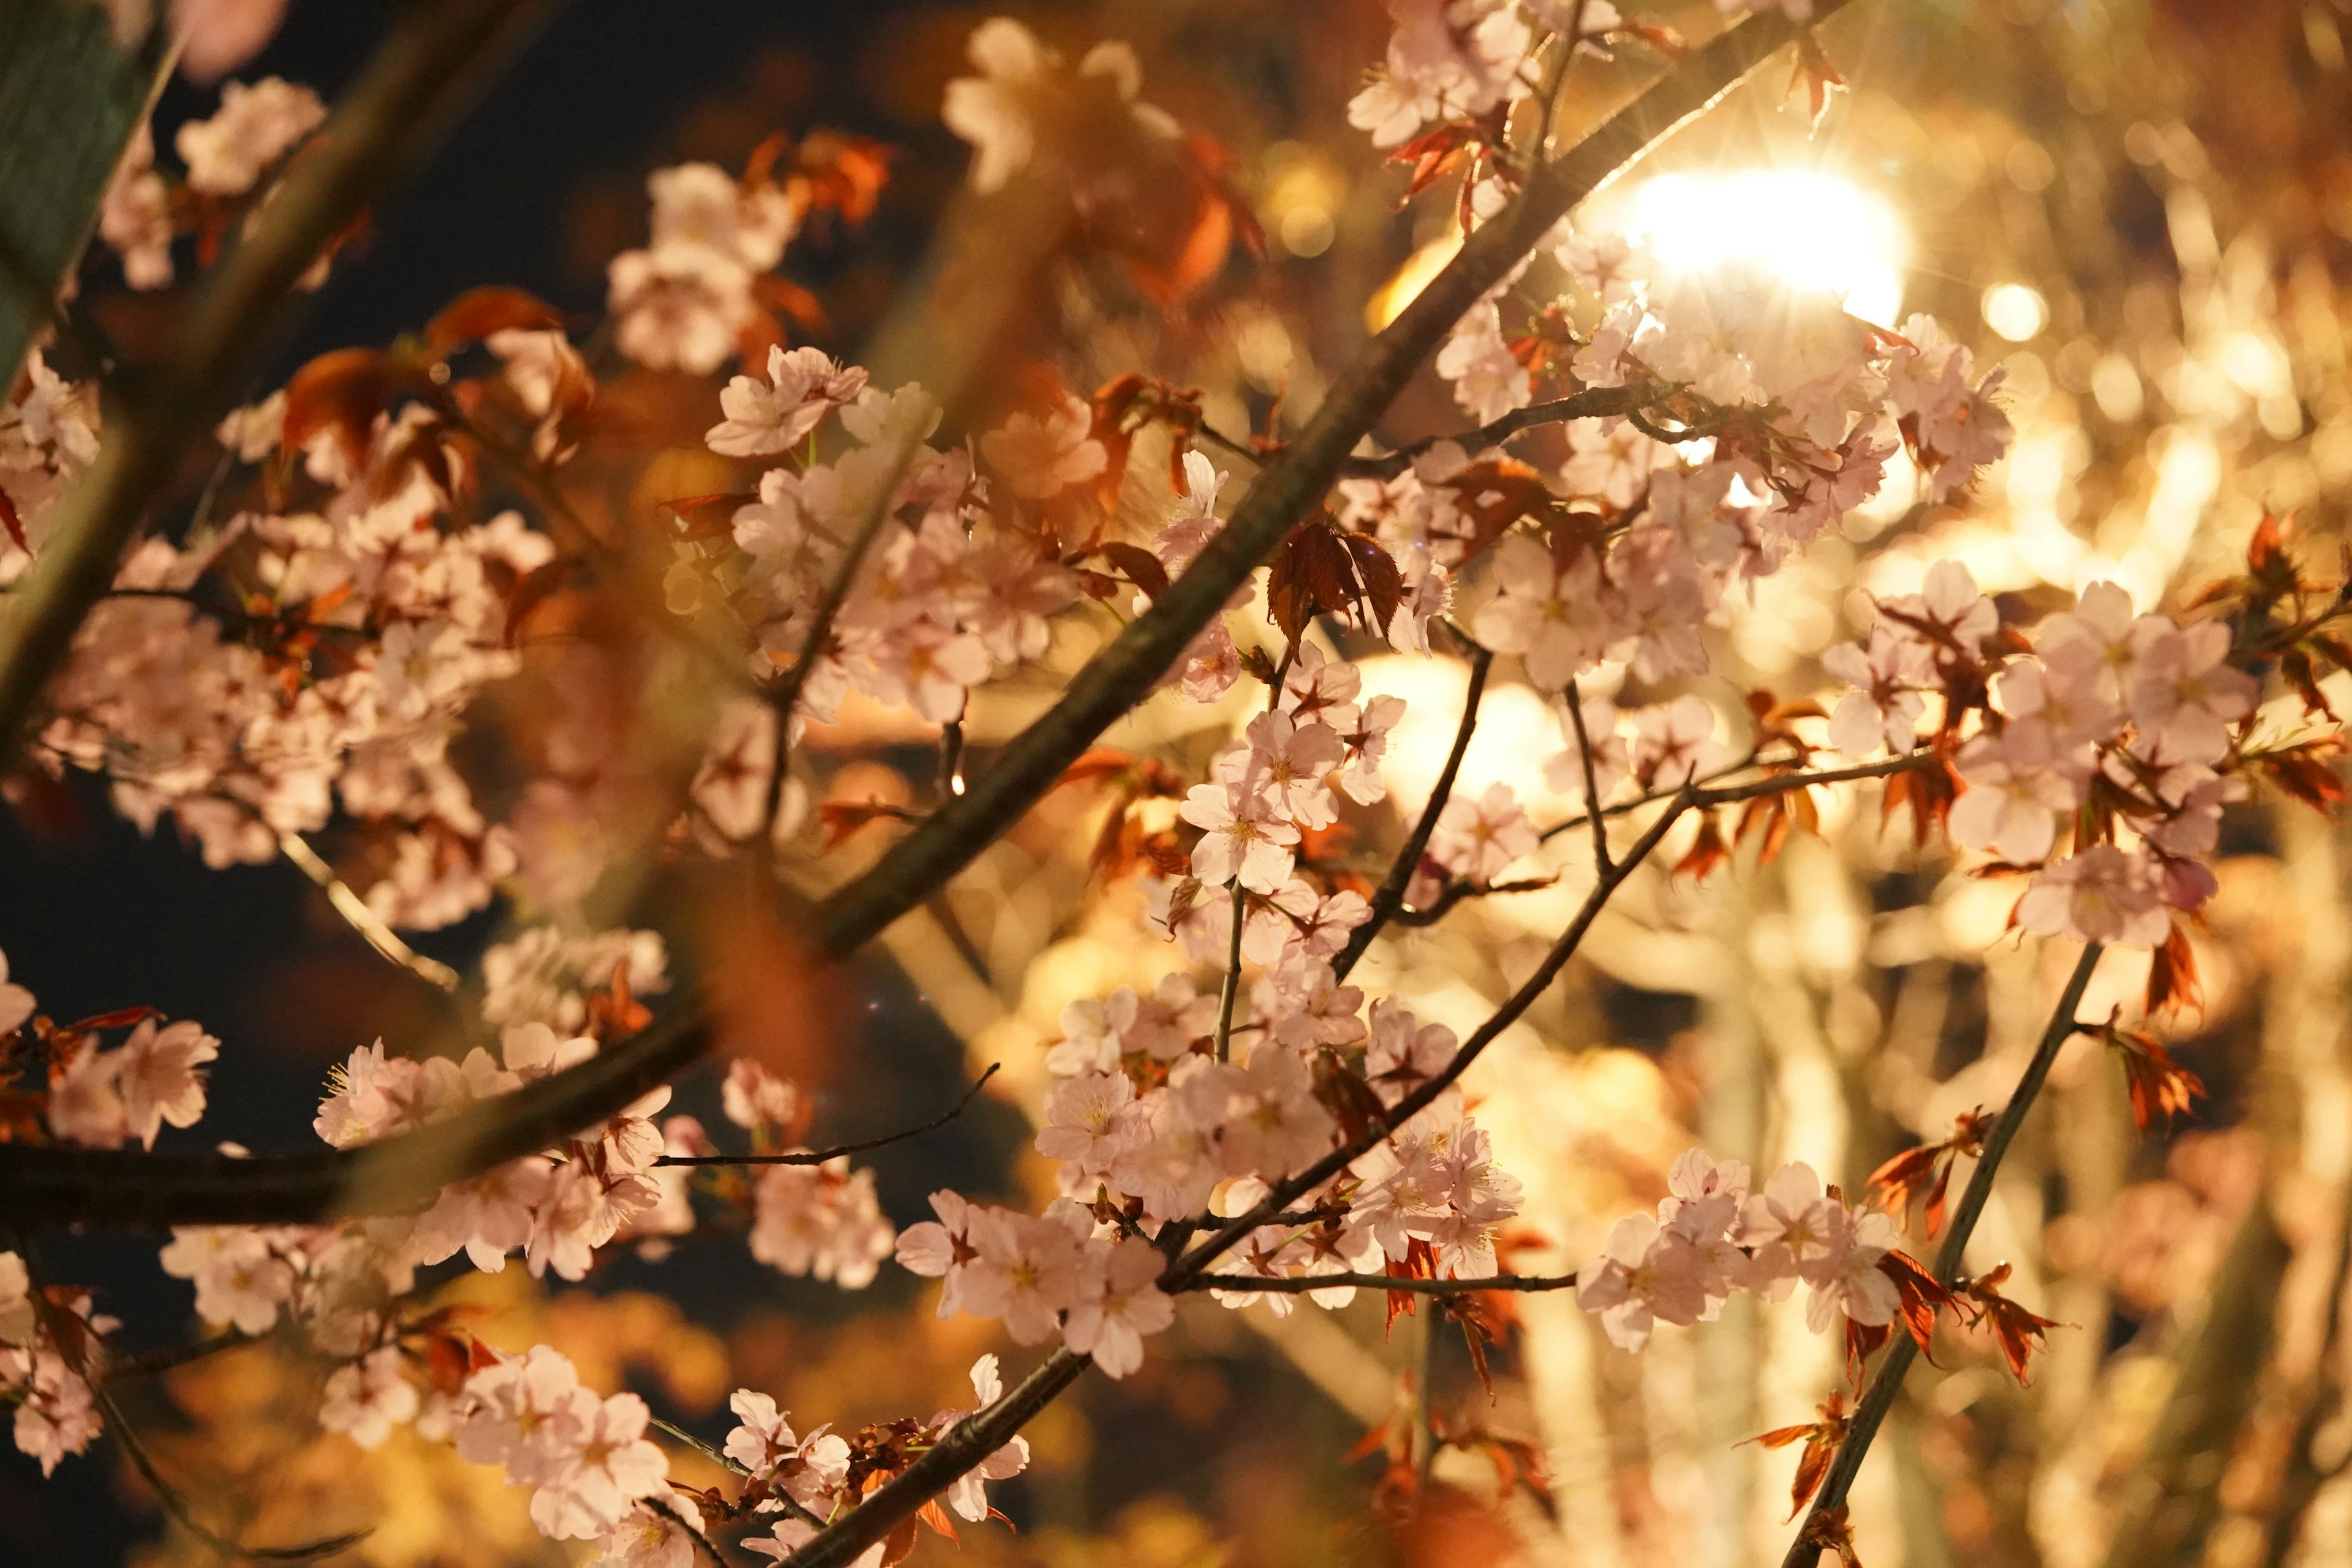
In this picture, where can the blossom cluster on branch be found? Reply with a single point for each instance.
(394, 524)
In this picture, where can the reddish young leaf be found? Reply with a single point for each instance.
(1929, 1169)
(841, 174)
(2159, 1085)
(1820, 1439)
(1766, 820)
(1348, 1099)
(1863, 1341)
(13, 523)
(613, 1013)
(2306, 772)
(1816, 74)
(2017, 1332)
(932, 1514)
(1929, 791)
(2172, 976)
(1478, 1330)
(1138, 565)
(1919, 1295)
(1321, 569)
(1374, 1440)
(338, 392)
(120, 1018)
(493, 307)
(1706, 852)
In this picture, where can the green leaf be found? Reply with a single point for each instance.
(70, 101)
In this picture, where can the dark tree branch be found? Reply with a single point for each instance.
(1300, 1285)
(1390, 896)
(1592, 402)
(968, 1442)
(1879, 1397)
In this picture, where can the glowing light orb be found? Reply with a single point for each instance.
(1815, 229)
(2016, 310)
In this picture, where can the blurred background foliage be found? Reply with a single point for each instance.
(2144, 209)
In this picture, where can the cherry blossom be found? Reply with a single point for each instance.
(1642, 1276)
(802, 386)
(1244, 839)
(658, 1532)
(1119, 1302)
(365, 1400)
(1488, 380)
(606, 1463)
(2102, 894)
(1042, 453)
(1885, 708)
(1004, 111)
(157, 1074)
(2013, 787)
(821, 1220)
(255, 126)
(1089, 1121)
(1478, 839)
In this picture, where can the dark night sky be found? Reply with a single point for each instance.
(96, 916)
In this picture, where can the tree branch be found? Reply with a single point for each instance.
(968, 1442)
(1390, 897)
(1592, 402)
(1879, 1397)
(1302, 1284)
(1288, 1191)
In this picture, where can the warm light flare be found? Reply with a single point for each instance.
(1815, 229)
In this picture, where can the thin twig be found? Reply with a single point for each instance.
(1711, 793)
(1216, 437)
(362, 919)
(1305, 1284)
(147, 1363)
(1879, 1397)
(1230, 992)
(1591, 783)
(1390, 897)
(819, 1156)
(715, 1455)
(1592, 402)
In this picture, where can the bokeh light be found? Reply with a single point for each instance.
(2016, 310)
